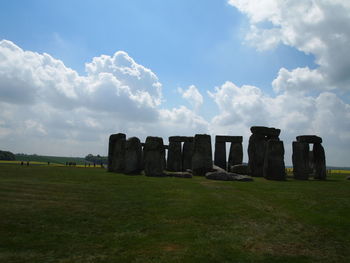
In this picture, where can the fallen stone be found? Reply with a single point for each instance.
(309, 139)
(179, 174)
(224, 176)
(240, 169)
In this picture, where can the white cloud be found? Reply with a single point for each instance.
(193, 96)
(51, 109)
(321, 28)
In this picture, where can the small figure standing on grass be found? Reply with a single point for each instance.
(22, 163)
(27, 163)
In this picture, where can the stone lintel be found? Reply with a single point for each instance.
(309, 139)
(227, 138)
(267, 131)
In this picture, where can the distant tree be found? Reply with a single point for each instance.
(7, 156)
(96, 159)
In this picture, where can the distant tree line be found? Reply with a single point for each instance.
(97, 159)
(7, 156)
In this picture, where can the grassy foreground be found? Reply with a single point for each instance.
(67, 214)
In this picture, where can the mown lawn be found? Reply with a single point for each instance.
(67, 214)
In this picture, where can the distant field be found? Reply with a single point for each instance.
(68, 214)
(51, 159)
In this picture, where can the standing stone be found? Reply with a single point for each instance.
(236, 154)
(220, 154)
(320, 162)
(274, 168)
(256, 154)
(116, 152)
(187, 154)
(154, 156)
(202, 159)
(311, 162)
(133, 156)
(300, 159)
(174, 162)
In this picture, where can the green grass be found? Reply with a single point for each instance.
(66, 214)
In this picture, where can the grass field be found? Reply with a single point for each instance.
(67, 214)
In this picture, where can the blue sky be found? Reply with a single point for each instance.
(242, 43)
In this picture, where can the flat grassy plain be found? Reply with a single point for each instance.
(71, 214)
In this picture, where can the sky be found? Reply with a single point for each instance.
(74, 72)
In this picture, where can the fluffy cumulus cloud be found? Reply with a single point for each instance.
(47, 107)
(320, 28)
(193, 96)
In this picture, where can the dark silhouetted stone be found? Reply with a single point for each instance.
(236, 154)
(256, 154)
(320, 162)
(220, 154)
(300, 159)
(274, 168)
(202, 159)
(116, 152)
(240, 169)
(266, 131)
(309, 139)
(133, 156)
(187, 152)
(311, 162)
(174, 162)
(154, 156)
(227, 138)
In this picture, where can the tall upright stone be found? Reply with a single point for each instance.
(236, 154)
(187, 150)
(202, 158)
(274, 168)
(319, 162)
(300, 160)
(220, 154)
(256, 154)
(133, 156)
(257, 147)
(116, 152)
(154, 156)
(174, 162)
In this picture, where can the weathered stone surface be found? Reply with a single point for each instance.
(187, 152)
(174, 162)
(300, 160)
(271, 132)
(274, 168)
(180, 139)
(309, 139)
(133, 156)
(116, 152)
(240, 169)
(311, 162)
(236, 154)
(202, 159)
(224, 176)
(227, 138)
(256, 154)
(220, 154)
(179, 174)
(320, 162)
(154, 156)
